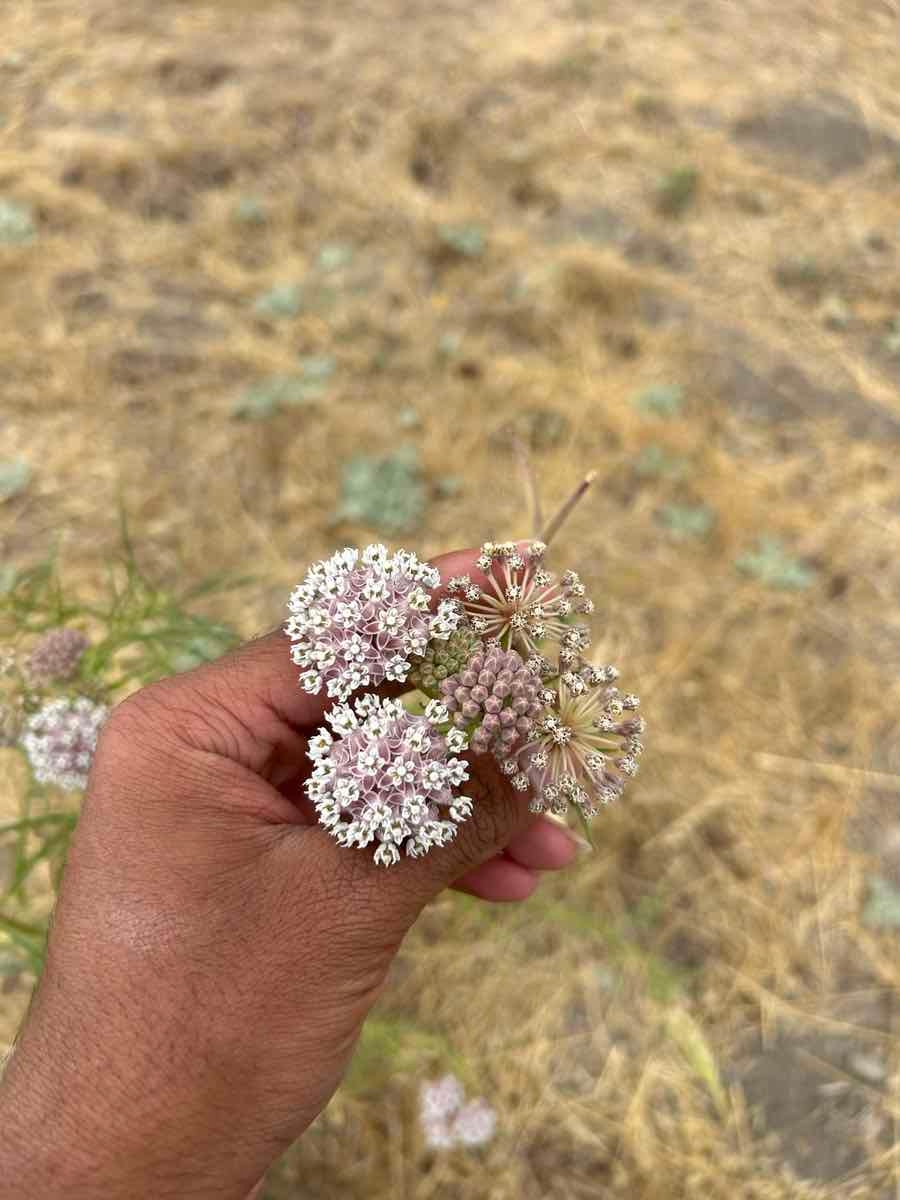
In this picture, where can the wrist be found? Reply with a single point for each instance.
(87, 1122)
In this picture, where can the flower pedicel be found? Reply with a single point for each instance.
(495, 667)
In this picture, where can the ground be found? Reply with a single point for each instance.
(247, 243)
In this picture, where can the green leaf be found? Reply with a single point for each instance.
(660, 400)
(688, 520)
(282, 301)
(676, 191)
(466, 241)
(386, 493)
(266, 398)
(882, 909)
(773, 566)
(656, 462)
(16, 224)
(334, 255)
(250, 210)
(14, 478)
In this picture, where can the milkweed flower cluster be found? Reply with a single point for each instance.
(500, 662)
(358, 619)
(60, 739)
(583, 748)
(386, 777)
(56, 656)
(447, 1121)
(522, 604)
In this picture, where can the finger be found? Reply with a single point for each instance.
(544, 845)
(398, 893)
(261, 674)
(499, 881)
(249, 706)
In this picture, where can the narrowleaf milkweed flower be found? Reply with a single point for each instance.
(584, 747)
(56, 656)
(358, 619)
(499, 694)
(448, 1121)
(60, 739)
(522, 604)
(387, 777)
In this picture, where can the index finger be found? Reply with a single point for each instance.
(261, 680)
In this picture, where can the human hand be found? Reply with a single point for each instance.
(214, 953)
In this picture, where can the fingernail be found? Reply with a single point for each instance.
(581, 844)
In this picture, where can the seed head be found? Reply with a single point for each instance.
(522, 604)
(585, 745)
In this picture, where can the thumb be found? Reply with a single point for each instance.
(396, 895)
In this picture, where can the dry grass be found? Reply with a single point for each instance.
(696, 988)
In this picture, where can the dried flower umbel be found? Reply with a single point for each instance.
(359, 618)
(522, 604)
(584, 747)
(60, 739)
(388, 777)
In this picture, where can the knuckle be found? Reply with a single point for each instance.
(496, 812)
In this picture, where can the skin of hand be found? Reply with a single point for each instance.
(214, 952)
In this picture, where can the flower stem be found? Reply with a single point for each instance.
(555, 523)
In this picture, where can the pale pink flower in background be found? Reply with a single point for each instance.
(447, 1121)
(55, 657)
(60, 739)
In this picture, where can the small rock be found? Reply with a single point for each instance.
(834, 313)
(408, 418)
(16, 223)
(869, 1067)
(824, 135)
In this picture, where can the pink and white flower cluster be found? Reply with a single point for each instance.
(60, 739)
(358, 619)
(387, 778)
(448, 1120)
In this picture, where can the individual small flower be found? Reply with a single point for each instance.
(442, 659)
(447, 1121)
(358, 619)
(388, 778)
(60, 740)
(499, 695)
(55, 657)
(584, 747)
(522, 604)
